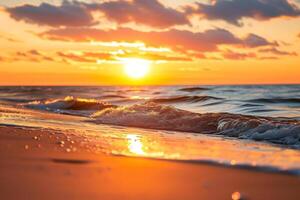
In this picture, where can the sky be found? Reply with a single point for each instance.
(57, 42)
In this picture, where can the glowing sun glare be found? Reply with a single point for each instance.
(135, 145)
(136, 68)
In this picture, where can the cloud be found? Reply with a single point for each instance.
(177, 40)
(85, 57)
(79, 14)
(30, 55)
(253, 40)
(268, 58)
(8, 38)
(34, 52)
(95, 57)
(232, 11)
(231, 55)
(71, 14)
(146, 12)
(275, 51)
(75, 58)
(91, 57)
(153, 56)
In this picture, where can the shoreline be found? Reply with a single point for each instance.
(48, 169)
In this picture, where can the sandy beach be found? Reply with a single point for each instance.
(35, 164)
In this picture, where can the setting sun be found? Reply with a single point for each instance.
(136, 68)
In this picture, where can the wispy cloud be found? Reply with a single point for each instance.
(9, 38)
(232, 55)
(177, 40)
(275, 51)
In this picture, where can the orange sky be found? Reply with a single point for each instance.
(190, 42)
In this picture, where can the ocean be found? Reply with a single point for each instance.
(253, 126)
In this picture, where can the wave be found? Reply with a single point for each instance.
(251, 105)
(157, 116)
(193, 89)
(14, 100)
(70, 103)
(113, 96)
(179, 99)
(276, 100)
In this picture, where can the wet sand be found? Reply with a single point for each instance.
(35, 164)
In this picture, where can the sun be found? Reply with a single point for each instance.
(136, 68)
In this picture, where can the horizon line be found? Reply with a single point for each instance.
(140, 85)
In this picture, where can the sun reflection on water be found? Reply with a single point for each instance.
(135, 145)
(136, 97)
(139, 146)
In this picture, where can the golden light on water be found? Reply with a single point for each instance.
(135, 145)
(136, 68)
(140, 146)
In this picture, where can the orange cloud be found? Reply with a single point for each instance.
(86, 57)
(153, 56)
(31, 55)
(94, 57)
(178, 40)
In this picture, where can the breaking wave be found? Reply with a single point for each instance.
(153, 114)
(157, 116)
(70, 103)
